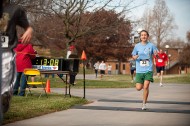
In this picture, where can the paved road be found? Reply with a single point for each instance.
(168, 106)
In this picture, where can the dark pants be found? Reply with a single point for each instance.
(72, 78)
(96, 72)
(20, 82)
(47, 75)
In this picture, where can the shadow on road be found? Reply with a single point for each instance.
(140, 101)
(157, 110)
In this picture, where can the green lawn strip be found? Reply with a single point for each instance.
(176, 79)
(32, 106)
(103, 84)
(95, 84)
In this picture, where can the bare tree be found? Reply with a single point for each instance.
(159, 21)
(174, 43)
(71, 12)
(59, 22)
(146, 20)
(184, 57)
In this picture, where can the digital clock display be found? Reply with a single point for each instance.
(62, 64)
(46, 62)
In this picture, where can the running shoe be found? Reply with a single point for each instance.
(144, 107)
(161, 84)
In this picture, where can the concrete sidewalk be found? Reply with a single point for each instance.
(167, 106)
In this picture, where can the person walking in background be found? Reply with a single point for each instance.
(24, 56)
(142, 53)
(160, 62)
(102, 68)
(132, 69)
(96, 67)
(109, 69)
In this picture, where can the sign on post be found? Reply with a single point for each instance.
(136, 39)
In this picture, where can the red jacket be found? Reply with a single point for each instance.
(24, 56)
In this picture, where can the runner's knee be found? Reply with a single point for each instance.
(139, 87)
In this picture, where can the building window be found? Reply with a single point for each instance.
(117, 66)
(123, 66)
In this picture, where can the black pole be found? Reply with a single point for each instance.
(84, 79)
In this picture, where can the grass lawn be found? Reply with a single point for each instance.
(32, 106)
(104, 83)
(179, 79)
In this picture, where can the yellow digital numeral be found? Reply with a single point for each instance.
(51, 62)
(45, 62)
(56, 62)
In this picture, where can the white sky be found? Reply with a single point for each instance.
(180, 9)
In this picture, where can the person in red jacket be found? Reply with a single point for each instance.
(160, 61)
(24, 56)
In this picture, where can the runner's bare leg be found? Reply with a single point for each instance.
(145, 91)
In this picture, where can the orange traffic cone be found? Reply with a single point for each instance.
(48, 86)
(83, 57)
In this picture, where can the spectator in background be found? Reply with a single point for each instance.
(72, 51)
(102, 68)
(96, 67)
(24, 56)
(47, 75)
(109, 69)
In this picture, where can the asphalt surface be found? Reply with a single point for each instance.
(167, 106)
